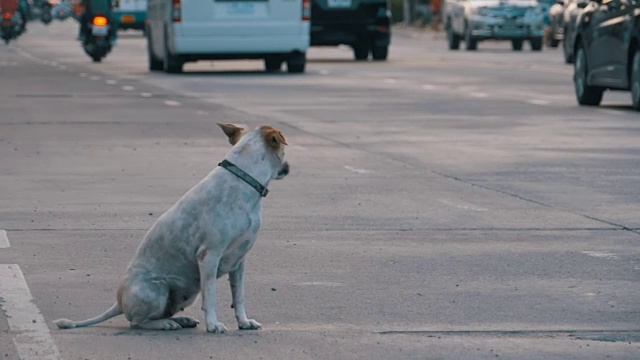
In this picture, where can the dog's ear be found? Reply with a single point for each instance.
(233, 132)
(273, 137)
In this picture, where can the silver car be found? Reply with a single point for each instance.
(472, 21)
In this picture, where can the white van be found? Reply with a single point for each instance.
(180, 31)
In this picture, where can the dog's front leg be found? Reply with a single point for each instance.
(208, 265)
(236, 279)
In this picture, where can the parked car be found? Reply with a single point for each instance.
(570, 20)
(472, 21)
(362, 24)
(607, 51)
(555, 29)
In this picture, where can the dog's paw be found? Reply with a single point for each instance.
(186, 322)
(249, 324)
(217, 328)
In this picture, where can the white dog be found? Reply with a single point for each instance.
(205, 235)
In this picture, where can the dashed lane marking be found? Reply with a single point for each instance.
(4, 240)
(111, 82)
(146, 94)
(172, 103)
(461, 205)
(26, 324)
(357, 171)
(479, 95)
(95, 77)
(601, 254)
(538, 102)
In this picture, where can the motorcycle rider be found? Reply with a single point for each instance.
(12, 7)
(85, 19)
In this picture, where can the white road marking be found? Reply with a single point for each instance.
(128, 88)
(324, 72)
(463, 206)
(357, 171)
(4, 240)
(62, 67)
(83, 74)
(172, 103)
(601, 254)
(111, 82)
(428, 87)
(146, 95)
(26, 324)
(95, 77)
(479, 95)
(538, 102)
(200, 112)
(390, 81)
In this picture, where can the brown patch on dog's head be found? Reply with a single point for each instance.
(233, 132)
(273, 137)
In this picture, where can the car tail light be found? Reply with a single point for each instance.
(306, 10)
(176, 13)
(100, 21)
(7, 16)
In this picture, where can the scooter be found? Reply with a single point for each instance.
(97, 43)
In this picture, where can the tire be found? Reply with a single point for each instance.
(553, 43)
(272, 64)
(453, 39)
(568, 57)
(536, 44)
(585, 94)
(379, 53)
(172, 65)
(296, 63)
(516, 44)
(635, 80)
(470, 43)
(154, 63)
(96, 58)
(361, 51)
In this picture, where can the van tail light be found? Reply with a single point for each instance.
(176, 12)
(100, 21)
(306, 10)
(7, 16)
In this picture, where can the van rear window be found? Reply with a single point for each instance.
(244, 1)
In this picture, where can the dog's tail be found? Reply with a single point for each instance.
(68, 324)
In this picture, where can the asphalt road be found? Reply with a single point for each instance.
(441, 205)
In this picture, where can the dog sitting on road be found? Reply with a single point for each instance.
(204, 236)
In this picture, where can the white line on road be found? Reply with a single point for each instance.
(324, 72)
(462, 206)
(146, 95)
(4, 240)
(357, 171)
(601, 254)
(111, 82)
(538, 102)
(479, 95)
(428, 87)
(26, 324)
(390, 81)
(172, 103)
(95, 77)
(83, 74)
(200, 112)
(128, 88)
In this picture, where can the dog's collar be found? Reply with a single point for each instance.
(261, 189)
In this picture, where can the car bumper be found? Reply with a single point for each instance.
(242, 47)
(349, 34)
(130, 19)
(500, 30)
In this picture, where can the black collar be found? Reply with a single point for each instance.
(261, 189)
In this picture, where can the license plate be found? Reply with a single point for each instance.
(339, 3)
(240, 8)
(128, 19)
(100, 30)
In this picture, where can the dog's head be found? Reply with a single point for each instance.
(266, 140)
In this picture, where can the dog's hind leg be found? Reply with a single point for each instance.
(145, 303)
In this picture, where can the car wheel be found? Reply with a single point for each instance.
(469, 42)
(635, 80)
(453, 39)
(273, 64)
(516, 44)
(586, 94)
(361, 51)
(553, 43)
(296, 63)
(536, 44)
(379, 53)
(172, 65)
(154, 63)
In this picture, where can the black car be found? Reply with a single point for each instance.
(362, 24)
(607, 51)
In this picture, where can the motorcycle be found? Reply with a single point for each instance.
(10, 27)
(97, 43)
(45, 12)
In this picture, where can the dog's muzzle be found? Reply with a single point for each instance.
(284, 170)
